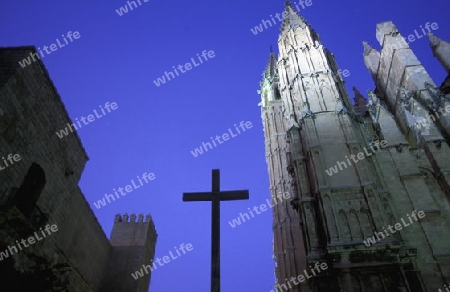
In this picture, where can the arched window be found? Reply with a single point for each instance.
(30, 190)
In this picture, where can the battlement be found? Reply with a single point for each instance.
(124, 218)
(133, 230)
(133, 242)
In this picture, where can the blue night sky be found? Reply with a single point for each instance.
(154, 129)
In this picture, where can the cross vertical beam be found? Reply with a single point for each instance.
(215, 196)
(215, 232)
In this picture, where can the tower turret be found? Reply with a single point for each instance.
(269, 84)
(133, 247)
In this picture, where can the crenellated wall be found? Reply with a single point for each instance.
(133, 242)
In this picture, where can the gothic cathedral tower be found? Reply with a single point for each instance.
(356, 171)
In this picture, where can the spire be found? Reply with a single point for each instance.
(269, 85)
(367, 48)
(360, 102)
(434, 41)
(291, 18)
(359, 98)
(441, 50)
(271, 69)
(371, 59)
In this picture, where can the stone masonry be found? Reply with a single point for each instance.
(133, 245)
(310, 125)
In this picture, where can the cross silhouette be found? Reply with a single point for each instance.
(215, 196)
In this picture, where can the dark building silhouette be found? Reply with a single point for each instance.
(41, 190)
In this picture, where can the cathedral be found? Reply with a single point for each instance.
(370, 181)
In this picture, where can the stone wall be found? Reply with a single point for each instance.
(31, 112)
(133, 242)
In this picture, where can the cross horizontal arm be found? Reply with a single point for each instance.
(224, 196)
(205, 196)
(234, 195)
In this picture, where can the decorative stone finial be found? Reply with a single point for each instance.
(441, 50)
(360, 103)
(367, 48)
(434, 41)
(358, 95)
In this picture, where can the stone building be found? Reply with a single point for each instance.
(39, 189)
(319, 148)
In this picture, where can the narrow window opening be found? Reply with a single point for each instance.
(277, 94)
(30, 190)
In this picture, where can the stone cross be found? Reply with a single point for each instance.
(215, 196)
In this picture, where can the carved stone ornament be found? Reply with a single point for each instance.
(406, 98)
(367, 48)
(304, 47)
(438, 98)
(341, 109)
(373, 103)
(308, 85)
(372, 96)
(306, 112)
